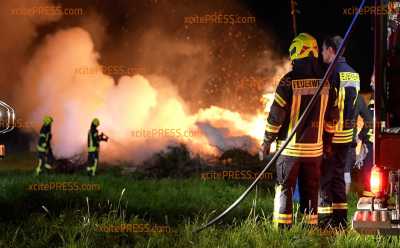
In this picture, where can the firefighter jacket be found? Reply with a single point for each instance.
(347, 85)
(93, 139)
(44, 139)
(292, 95)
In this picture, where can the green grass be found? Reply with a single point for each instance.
(18, 161)
(70, 218)
(154, 199)
(77, 230)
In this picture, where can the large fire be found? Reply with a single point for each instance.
(141, 114)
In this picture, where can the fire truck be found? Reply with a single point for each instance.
(379, 212)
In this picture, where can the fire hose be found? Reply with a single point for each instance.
(307, 110)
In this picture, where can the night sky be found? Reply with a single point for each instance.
(321, 18)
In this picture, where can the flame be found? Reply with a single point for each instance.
(141, 114)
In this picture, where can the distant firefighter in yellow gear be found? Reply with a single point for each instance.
(94, 139)
(45, 153)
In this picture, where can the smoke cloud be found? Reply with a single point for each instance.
(17, 34)
(189, 91)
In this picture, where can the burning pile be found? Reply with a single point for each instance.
(188, 89)
(132, 104)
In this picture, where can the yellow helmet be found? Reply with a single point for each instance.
(96, 122)
(302, 46)
(47, 120)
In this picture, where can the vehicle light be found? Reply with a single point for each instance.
(2, 151)
(377, 180)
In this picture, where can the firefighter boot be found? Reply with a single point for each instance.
(340, 215)
(325, 216)
(38, 169)
(91, 170)
(47, 166)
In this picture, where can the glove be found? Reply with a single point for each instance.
(264, 150)
(361, 157)
(103, 137)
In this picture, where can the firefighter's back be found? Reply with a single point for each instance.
(302, 84)
(301, 158)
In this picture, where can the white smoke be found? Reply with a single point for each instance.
(54, 85)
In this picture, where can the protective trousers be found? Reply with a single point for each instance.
(46, 159)
(93, 158)
(332, 208)
(307, 171)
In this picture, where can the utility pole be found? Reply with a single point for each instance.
(293, 11)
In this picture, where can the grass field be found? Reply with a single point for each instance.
(165, 212)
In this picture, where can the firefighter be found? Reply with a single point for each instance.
(351, 161)
(301, 159)
(45, 153)
(94, 139)
(367, 138)
(333, 202)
